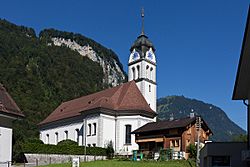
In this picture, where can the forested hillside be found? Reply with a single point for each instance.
(40, 76)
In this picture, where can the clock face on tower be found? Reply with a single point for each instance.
(150, 55)
(134, 56)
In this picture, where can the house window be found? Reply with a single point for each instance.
(77, 135)
(94, 133)
(128, 135)
(89, 145)
(56, 137)
(47, 135)
(66, 134)
(89, 127)
(175, 143)
(149, 88)
(94, 145)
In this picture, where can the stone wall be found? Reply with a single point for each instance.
(44, 159)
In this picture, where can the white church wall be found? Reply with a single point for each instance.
(58, 132)
(91, 137)
(135, 122)
(5, 141)
(108, 129)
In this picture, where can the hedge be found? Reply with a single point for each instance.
(62, 149)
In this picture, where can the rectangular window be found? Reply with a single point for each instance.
(149, 88)
(89, 126)
(94, 133)
(175, 143)
(128, 135)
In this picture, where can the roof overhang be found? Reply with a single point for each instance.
(242, 82)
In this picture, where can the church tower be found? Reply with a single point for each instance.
(142, 66)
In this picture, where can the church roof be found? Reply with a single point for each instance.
(8, 105)
(142, 40)
(125, 98)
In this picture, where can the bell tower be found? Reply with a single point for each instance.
(142, 66)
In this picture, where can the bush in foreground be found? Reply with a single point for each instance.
(62, 149)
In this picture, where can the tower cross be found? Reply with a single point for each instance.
(142, 17)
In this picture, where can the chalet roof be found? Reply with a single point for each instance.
(8, 105)
(126, 97)
(242, 82)
(166, 124)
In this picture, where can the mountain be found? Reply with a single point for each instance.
(179, 106)
(86, 47)
(42, 72)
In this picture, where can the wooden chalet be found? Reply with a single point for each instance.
(176, 134)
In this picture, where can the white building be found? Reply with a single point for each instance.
(110, 115)
(9, 111)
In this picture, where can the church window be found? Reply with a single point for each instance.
(127, 134)
(47, 135)
(133, 73)
(138, 71)
(56, 137)
(149, 88)
(94, 133)
(66, 134)
(89, 126)
(147, 71)
(151, 73)
(77, 135)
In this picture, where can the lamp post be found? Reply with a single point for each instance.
(198, 127)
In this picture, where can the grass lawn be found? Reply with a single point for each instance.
(115, 163)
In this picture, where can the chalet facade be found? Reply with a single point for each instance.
(175, 134)
(9, 111)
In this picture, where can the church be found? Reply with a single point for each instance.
(112, 114)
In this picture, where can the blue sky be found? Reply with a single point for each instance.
(197, 43)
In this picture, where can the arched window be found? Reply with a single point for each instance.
(151, 73)
(89, 126)
(47, 136)
(77, 135)
(127, 134)
(66, 134)
(56, 137)
(147, 71)
(133, 73)
(138, 71)
(94, 133)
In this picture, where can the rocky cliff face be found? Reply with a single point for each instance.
(107, 59)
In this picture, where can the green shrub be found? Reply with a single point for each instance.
(110, 150)
(34, 140)
(68, 142)
(62, 149)
(191, 149)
